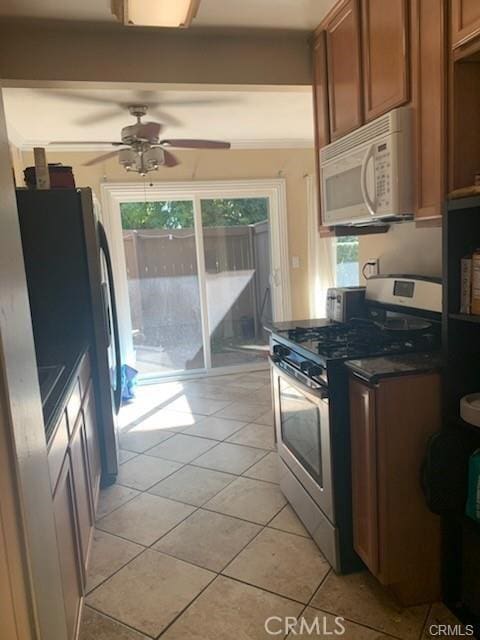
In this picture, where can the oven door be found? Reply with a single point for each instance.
(302, 427)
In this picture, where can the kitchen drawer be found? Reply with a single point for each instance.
(73, 406)
(57, 449)
(84, 374)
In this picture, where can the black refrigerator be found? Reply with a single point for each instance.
(72, 299)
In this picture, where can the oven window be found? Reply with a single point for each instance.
(301, 427)
(343, 189)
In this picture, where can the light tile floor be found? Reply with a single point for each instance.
(196, 542)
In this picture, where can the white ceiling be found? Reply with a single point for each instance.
(259, 118)
(273, 14)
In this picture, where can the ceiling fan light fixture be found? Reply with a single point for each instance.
(128, 159)
(155, 13)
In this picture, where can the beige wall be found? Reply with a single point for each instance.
(292, 164)
(405, 249)
(41, 51)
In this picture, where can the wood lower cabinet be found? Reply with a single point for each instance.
(344, 69)
(364, 472)
(465, 15)
(385, 56)
(75, 470)
(65, 510)
(81, 479)
(93, 447)
(395, 534)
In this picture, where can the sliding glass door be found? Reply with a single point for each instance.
(163, 285)
(236, 247)
(192, 265)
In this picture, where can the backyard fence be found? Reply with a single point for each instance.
(163, 280)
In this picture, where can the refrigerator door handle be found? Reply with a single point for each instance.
(106, 314)
(117, 394)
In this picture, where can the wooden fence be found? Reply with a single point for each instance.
(156, 259)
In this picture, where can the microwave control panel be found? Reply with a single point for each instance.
(383, 170)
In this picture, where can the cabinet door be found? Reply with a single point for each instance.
(81, 481)
(320, 107)
(68, 545)
(384, 48)
(344, 69)
(429, 85)
(93, 450)
(364, 473)
(465, 21)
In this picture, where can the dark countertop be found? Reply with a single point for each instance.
(373, 369)
(70, 359)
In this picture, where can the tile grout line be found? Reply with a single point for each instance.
(310, 600)
(87, 593)
(424, 626)
(124, 624)
(249, 446)
(196, 509)
(120, 505)
(218, 573)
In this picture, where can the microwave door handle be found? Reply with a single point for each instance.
(371, 204)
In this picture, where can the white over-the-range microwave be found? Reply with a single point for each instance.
(367, 175)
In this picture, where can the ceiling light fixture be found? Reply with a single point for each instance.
(155, 13)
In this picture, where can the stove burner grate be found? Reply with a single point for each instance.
(359, 339)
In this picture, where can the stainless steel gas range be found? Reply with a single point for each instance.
(401, 314)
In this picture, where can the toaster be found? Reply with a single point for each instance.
(344, 303)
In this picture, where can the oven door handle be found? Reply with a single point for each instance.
(320, 393)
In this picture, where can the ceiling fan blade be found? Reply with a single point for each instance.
(89, 142)
(169, 159)
(102, 158)
(195, 144)
(79, 96)
(95, 118)
(163, 116)
(153, 98)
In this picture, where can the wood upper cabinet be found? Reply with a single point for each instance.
(429, 101)
(385, 60)
(320, 91)
(68, 546)
(465, 21)
(344, 69)
(320, 110)
(391, 521)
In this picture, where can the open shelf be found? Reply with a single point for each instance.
(461, 347)
(465, 317)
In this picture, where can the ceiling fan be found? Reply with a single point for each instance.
(141, 149)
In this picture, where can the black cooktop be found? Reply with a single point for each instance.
(358, 339)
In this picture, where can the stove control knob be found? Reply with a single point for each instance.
(315, 370)
(311, 369)
(280, 350)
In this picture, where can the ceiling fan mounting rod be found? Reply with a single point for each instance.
(138, 111)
